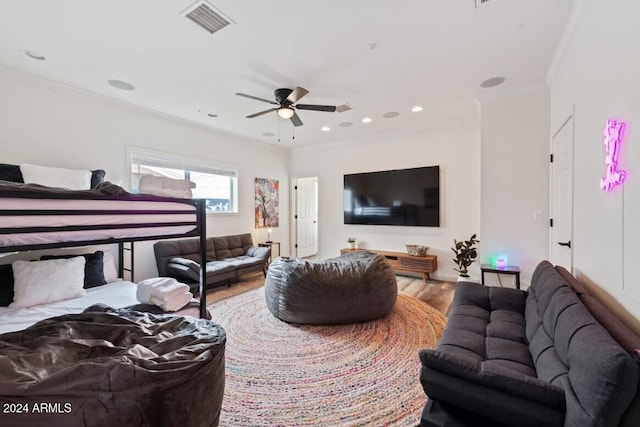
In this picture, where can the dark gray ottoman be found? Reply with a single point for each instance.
(355, 287)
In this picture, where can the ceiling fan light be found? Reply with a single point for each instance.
(285, 112)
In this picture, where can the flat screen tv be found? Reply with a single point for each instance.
(408, 197)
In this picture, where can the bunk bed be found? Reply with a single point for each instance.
(34, 217)
(107, 366)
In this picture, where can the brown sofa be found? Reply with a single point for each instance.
(228, 257)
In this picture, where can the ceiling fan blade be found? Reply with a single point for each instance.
(295, 119)
(262, 112)
(328, 108)
(256, 98)
(296, 94)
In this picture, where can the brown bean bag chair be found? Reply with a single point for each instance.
(106, 369)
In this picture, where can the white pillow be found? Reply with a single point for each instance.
(56, 177)
(42, 282)
(109, 267)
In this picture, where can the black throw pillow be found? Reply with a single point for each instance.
(93, 267)
(97, 177)
(6, 285)
(10, 173)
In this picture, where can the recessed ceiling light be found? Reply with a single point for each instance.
(325, 128)
(121, 84)
(417, 109)
(367, 120)
(34, 55)
(345, 124)
(268, 134)
(212, 115)
(493, 81)
(390, 114)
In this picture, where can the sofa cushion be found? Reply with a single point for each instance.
(618, 330)
(261, 252)
(573, 351)
(183, 248)
(232, 246)
(487, 324)
(494, 376)
(244, 261)
(495, 407)
(189, 270)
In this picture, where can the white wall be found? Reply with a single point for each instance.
(453, 145)
(48, 124)
(598, 71)
(515, 179)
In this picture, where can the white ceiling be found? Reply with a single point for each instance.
(433, 53)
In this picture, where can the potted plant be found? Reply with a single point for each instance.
(352, 242)
(466, 254)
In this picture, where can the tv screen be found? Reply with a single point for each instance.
(395, 197)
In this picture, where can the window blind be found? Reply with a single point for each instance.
(141, 158)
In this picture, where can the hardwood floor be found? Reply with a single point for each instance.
(437, 293)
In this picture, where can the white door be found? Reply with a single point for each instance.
(306, 216)
(561, 236)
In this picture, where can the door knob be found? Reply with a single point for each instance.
(567, 244)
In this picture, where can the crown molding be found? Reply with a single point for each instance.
(571, 30)
(55, 86)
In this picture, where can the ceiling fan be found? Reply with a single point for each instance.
(285, 100)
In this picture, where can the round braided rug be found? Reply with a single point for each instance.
(363, 374)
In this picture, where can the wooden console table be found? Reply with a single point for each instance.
(402, 261)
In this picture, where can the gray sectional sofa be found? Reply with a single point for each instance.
(536, 358)
(228, 257)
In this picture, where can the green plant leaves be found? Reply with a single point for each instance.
(466, 254)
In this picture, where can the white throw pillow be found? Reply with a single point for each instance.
(109, 267)
(56, 177)
(42, 282)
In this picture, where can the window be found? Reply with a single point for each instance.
(218, 185)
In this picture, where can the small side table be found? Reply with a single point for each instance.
(271, 245)
(513, 270)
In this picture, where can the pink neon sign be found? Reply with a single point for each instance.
(613, 135)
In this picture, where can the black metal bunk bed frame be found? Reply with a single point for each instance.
(198, 231)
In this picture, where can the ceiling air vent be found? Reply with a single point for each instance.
(479, 2)
(207, 16)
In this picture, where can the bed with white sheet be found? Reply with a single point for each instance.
(119, 294)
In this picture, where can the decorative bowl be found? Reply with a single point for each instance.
(417, 250)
